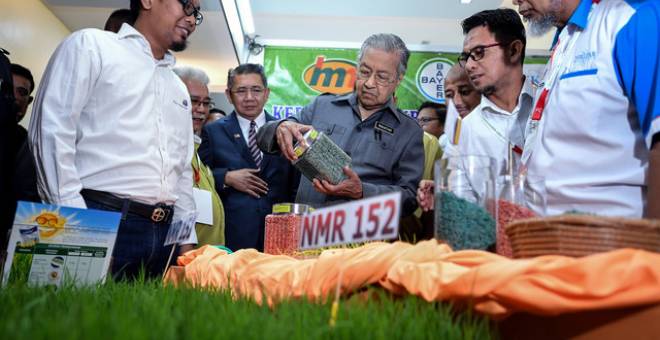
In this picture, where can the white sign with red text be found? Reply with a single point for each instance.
(371, 219)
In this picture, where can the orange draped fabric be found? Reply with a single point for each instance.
(492, 284)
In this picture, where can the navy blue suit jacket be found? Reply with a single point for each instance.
(224, 149)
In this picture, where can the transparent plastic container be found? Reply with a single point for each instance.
(465, 209)
(282, 232)
(319, 157)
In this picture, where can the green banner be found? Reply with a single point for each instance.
(296, 75)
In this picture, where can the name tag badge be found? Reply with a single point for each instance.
(204, 205)
(382, 127)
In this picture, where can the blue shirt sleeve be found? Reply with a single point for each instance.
(637, 64)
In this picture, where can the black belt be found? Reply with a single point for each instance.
(159, 213)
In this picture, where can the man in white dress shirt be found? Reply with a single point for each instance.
(493, 55)
(111, 130)
(595, 127)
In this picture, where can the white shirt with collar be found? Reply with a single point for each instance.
(109, 116)
(488, 129)
(245, 125)
(590, 141)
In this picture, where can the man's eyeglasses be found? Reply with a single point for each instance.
(190, 9)
(205, 103)
(476, 54)
(243, 91)
(381, 79)
(426, 120)
(23, 92)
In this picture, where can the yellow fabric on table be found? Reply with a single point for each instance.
(208, 234)
(492, 284)
(432, 153)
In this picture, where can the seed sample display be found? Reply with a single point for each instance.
(321, 158)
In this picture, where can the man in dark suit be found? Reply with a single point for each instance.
(248, 181)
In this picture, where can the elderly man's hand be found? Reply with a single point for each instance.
(286, 132)
(425, 195)
(350, 187)
(247, 181)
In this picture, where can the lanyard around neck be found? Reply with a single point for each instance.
(516, 148)
(557, 65)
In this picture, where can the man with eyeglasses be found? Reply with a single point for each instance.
(384, 144)
(25, 178)
(111, 130)
(595, 128)
(431, 117)
(248, 181)
(493, 56)
(206, 197)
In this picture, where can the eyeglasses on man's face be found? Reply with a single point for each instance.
(243, 91)
(206, 103)
(190, 9)
(22, 91)
(381, 78)
(426, 120)
(477, 53)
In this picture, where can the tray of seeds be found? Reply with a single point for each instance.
(581, 235)
(319, 157)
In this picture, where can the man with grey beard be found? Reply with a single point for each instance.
(595, 127)
(541, 16)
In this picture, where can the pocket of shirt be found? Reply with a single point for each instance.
(379, 154)
(330, 129)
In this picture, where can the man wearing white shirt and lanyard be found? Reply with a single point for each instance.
(493, 55)
(595, 126)
(111, 130)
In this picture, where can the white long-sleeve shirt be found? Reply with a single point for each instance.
(488, 129)
(108, 116)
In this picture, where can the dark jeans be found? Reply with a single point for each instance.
(139, 246)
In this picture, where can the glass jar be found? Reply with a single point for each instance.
(465, 213)
(282, 232)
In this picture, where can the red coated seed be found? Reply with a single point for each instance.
(282, 234)
(508, 212)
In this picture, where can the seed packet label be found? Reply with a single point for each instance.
(204, 205)
(181, 228)
(371, 219)
(52, 245)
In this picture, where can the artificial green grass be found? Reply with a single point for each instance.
(148, 310)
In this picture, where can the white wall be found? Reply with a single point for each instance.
(30, 32)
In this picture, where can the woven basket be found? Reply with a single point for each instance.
(581, 235)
